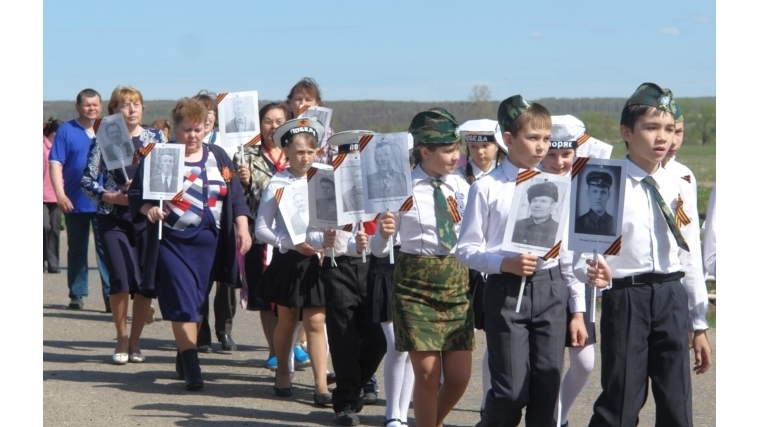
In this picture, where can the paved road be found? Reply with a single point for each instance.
(82, 387)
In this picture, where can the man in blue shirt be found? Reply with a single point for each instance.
(68, 158)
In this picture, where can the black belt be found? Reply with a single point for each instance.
(345, 259)
(647, 279)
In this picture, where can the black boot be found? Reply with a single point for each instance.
(178, 366)
(190, 362)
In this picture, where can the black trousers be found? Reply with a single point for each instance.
(51, 234)
(644, 335)
(356, 345)
(525, 349)
(224, 311)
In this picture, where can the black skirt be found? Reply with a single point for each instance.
(380, 288)
(254, 270)
(477, 286)
(590, 327)
(292, 280)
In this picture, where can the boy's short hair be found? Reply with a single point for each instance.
(649, 99)
(515, 113)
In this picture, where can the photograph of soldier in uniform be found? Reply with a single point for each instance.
(353, 197)
(242, 118)
(390, 179)
(326, 208)
(539, 229)
(596, 220)
(114, 141)
(238, 119)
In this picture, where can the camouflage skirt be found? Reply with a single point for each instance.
(431, 311)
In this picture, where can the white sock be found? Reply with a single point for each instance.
(291, 357)
(398, 377)
(486, 378)
(581, 365)
(327, 346)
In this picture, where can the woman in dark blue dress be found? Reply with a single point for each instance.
(200, 234)
(124, 243)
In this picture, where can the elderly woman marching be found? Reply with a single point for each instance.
(432, 317)
(211, 217)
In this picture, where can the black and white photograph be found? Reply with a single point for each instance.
(323, 207)
(348, 184)
(239, 118)
(324, 115)
(115, 142)
(538, 214)
(165, 164)
(385, 172)
(595, 149)
(596, 214)
(294, 207)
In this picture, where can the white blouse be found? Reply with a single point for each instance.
(416, 229)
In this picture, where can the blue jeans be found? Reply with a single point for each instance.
(78, 232)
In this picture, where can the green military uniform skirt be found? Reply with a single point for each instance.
(431, 311)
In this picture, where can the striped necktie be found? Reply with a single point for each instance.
(667, 213)
(446, 235)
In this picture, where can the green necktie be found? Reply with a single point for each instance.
(446, 235)
(667, 213)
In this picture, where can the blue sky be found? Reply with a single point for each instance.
(426, 51)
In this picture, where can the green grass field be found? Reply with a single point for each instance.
(700, 159)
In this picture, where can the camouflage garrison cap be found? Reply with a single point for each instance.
(677, 112)
(510, 109)
(434, 126)
(654, 96)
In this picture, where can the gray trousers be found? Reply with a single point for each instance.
(51, 235)
(525, 349)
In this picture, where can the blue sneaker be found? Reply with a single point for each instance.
(272, 363)
(301, 356)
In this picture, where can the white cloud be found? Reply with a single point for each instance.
(701, 19)
(536, 35)
(669, 31)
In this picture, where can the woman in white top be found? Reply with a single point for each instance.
(292, 278)
(483, 144)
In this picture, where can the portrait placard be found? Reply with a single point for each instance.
(293, 203)
(594, 148)
(324, 115)
(596, 205)
(115, 142)
(348, 185)
(239, 119)
(386, 179)
(538, 215)
(164, 172)
(322, 201)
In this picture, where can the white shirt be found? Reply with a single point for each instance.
(648, 245)
(710, 224)
(485, 220)
(477, 173)
(267, 229)
(678, 168)
(416, 230)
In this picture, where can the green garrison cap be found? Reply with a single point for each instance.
(654, 96)
(434, 126)
(677, 112)
(510, 109)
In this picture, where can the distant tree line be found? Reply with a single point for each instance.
(600, 115)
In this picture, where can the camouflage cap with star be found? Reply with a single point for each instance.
(654, 96)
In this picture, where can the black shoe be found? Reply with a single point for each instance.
(192, 367)
(76, 303)
(388, 421)
(567, 423)
(330, 378)
(107, 303)
(204, 349)
(282, 392)
(347, 418)
(54, 270)
(227, 343)
(178, 366)
(322, 399)
(369, 398)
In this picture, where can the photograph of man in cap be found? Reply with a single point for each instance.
(388, 181)
(241, 122)
(597, 221)
(326, 207)
(539, 229)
